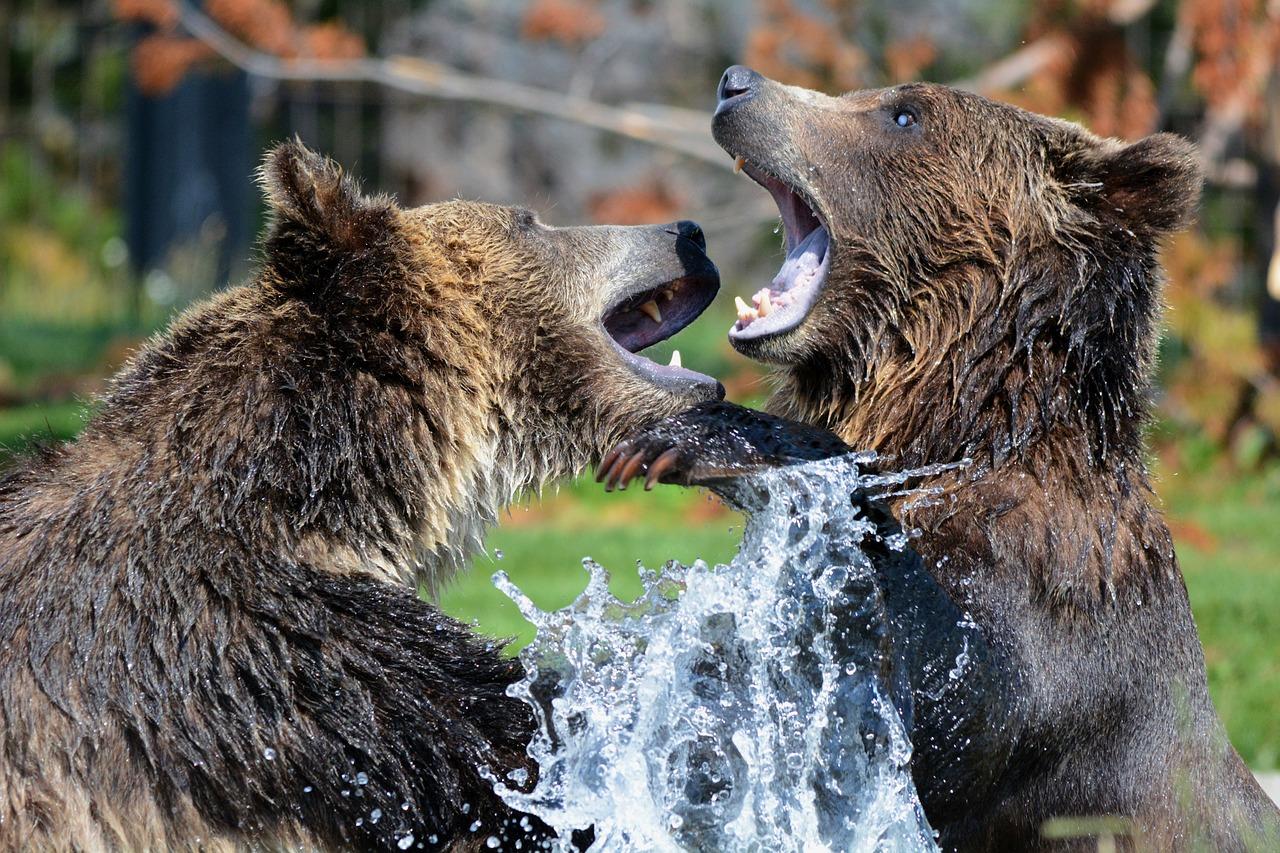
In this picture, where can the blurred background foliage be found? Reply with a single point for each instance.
(130, 129)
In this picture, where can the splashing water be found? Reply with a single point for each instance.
(745, 707)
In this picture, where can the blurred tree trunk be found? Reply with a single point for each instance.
(1269, 227)
(189, 156)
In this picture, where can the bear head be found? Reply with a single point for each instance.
(397, 375)
(939, 245)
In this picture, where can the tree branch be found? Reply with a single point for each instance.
(1017, 67)
(428, 79)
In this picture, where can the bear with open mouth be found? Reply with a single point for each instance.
(210, 637)
(967, 282)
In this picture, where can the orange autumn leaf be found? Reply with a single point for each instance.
(566, 21)
(331, 41)
(161, 61)
(265, 24)
(905, 59)
(162, 14)
(635, 205)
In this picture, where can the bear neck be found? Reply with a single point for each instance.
(1047, 398)
(337, 445)
(1003, 368)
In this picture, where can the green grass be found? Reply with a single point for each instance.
(1228, 541)
(24, 425)
(543, 547)
(32, 347)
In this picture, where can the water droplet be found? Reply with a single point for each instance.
(375, 815)
(269, 754)
(476, 826)
(307, 789)
(492, 842)
(497, 554)
(362, 778)
(407, 841)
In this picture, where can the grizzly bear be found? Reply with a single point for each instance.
(967, 282)
(209, 633)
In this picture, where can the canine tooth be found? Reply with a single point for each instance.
(738, 163)
(765, 305)
(675, 359)
(743, 308)
(651, 308)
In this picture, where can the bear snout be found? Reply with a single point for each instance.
(737, 84)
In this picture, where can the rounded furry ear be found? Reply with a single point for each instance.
(311, 192)
(1153, 183)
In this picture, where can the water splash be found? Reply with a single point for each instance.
(741, 707)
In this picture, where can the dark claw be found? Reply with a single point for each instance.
(615, 468)
(633, 466)
(615, 471)
(606, 463)
(660, 466)
(714, 443)
(615, 475)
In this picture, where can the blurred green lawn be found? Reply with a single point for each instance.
(1227, 530)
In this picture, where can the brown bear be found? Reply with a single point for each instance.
(967, 282)
(207, 640)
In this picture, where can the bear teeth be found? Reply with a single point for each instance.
(763, 305)
(651, 309)
(675, 359)
(738, 163)
(766, 301)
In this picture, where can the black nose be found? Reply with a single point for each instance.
(690, 231)
(738, 80)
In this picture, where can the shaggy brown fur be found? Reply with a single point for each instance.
(994, 296)
(206, 641)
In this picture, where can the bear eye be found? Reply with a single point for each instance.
(905, 117)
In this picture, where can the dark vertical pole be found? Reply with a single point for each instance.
(189, 160)
(1269, 253)
(1268, 227)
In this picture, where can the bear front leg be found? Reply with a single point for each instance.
(713, 443)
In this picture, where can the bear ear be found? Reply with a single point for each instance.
(1154, 183)
(311, 192)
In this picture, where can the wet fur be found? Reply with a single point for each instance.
(995, 296)
(208, 617)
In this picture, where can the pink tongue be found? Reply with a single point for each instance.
(801, 266)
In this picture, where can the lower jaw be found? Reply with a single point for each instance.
(800, 282)
(779, 349)
(671, 379)
(781, 323)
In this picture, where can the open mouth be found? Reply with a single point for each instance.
(791, 295)
(646, 317)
